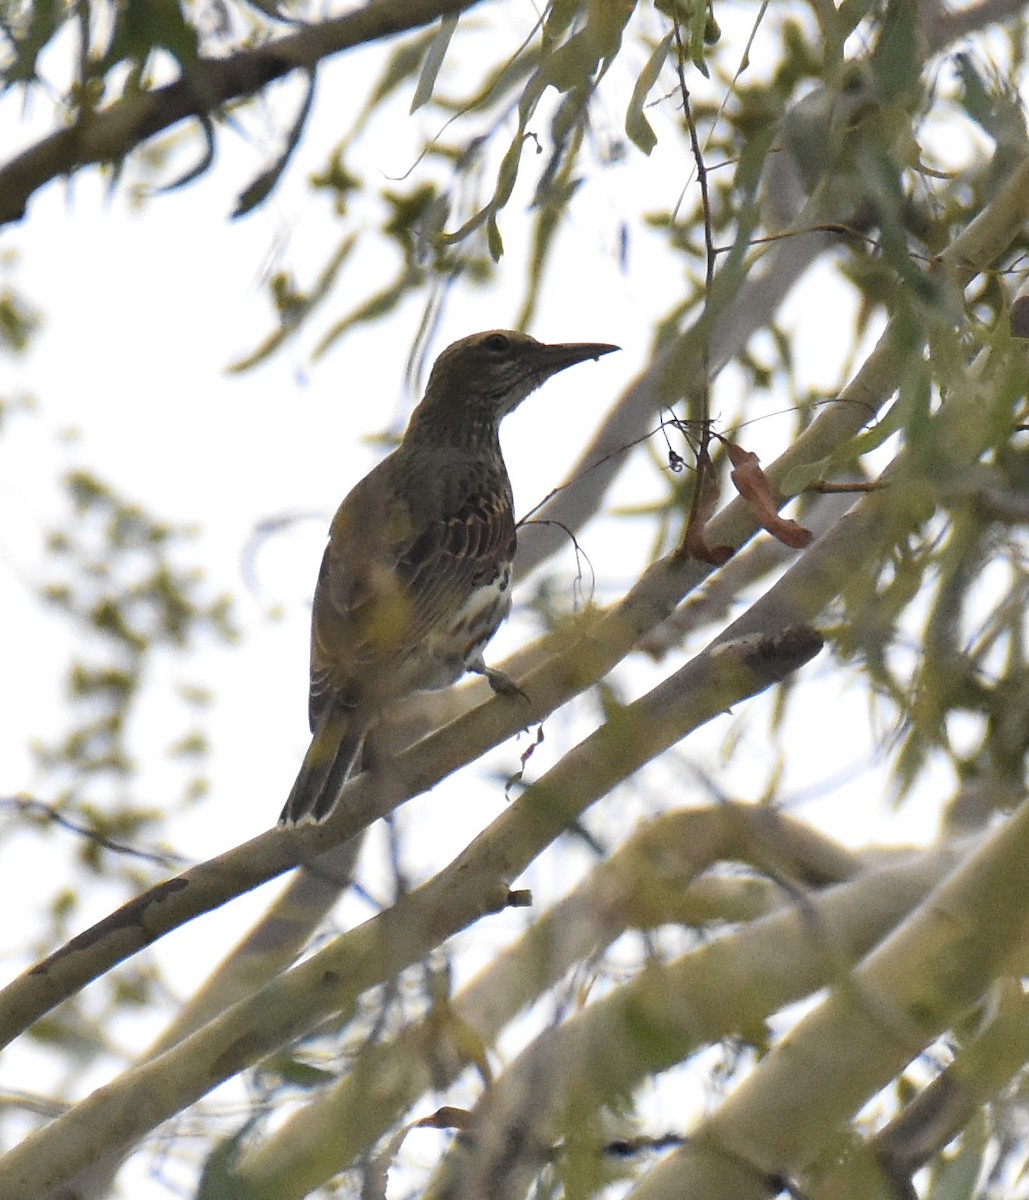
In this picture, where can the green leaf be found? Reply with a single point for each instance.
(434, 60)
(144, 25)
(293, 315)
(637, 127)
(798, 477)
(218, 1181)
(260, 188)
(508, 173)
(698, 37)
(377, 305)
(402, 64)
(997, 112)
(493, 239)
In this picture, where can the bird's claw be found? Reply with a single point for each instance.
(502, 684)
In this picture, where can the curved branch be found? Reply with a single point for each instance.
(725, 989)
(110, 134)
(672, 854)
(472, 886)
(913, 986)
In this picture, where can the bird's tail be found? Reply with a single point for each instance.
(328, 763)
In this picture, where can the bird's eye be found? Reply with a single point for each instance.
(497, 343)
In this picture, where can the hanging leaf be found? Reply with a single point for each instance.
(259, 190)
(293, 313)
(200, 167)
(433, 61)
(494, 240)
(756, 489)
(637, 127)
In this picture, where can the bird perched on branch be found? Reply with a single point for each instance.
(416, 576)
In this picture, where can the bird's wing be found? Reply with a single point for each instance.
(454, 555)
(389, 577)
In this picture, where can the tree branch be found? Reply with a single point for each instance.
(657, 877)
(914, 985)
(473, 885)
(728, 988)
(111, 133)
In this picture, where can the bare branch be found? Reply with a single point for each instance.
(107, 136)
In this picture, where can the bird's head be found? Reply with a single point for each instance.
(487, 375)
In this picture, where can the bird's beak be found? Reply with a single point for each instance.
(556, 357)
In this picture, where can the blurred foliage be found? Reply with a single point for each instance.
(116, 575)
(17, 322)
(121, 580)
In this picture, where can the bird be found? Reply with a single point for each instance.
(416, 574)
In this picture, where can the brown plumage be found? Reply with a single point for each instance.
(416, 575)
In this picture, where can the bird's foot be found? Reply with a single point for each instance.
(502, 684)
